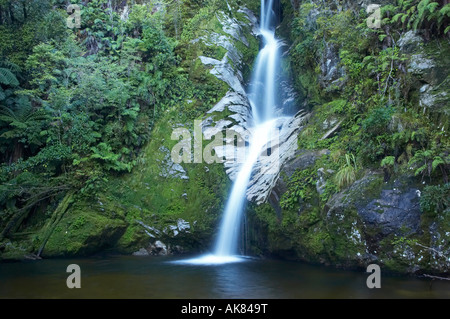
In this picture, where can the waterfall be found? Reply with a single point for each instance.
(264, 98)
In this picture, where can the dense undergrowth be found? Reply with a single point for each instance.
(81, 108)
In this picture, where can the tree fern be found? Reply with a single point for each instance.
(445, 10)
(436, 162)
(388, 161)
(20, 119)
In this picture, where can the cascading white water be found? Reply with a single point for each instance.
(263, 96)
(263, 99)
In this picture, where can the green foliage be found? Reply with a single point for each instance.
(8, 72)
(83, 102)
(420, 14)
(22, 123)
(375, 137)
(347, 174)
(7, 77)
(300, 189)
(427, 161)
(435, 199)
(388, 161)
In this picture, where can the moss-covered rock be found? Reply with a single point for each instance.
(83, 232)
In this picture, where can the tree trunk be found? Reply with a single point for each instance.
(11, 14)
(55, 219)
(24, 8)
(17, 152)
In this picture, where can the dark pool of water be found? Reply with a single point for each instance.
(156, 277)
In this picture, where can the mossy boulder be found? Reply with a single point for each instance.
(84, 231)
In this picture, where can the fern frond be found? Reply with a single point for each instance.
(437, 161)
(7, 77)
(445, 11)
(397, 17)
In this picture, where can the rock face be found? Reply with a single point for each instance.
(267, 170)
(370, 222)
(169, 168)
(428, 65)
(299, 161)
(165, 241)
(393, 211)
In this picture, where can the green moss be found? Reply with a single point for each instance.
(83, 231)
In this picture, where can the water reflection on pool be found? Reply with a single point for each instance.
(168, 278)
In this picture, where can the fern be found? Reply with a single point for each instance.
(443, 13)
(397, 17)
(20, 119)
(436, 162)
(8, 78)
(388, 161)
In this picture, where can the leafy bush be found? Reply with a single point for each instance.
(300, 189)
(435, 199)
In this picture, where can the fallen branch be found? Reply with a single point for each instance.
(436, 277)
(440, 254)
(55, 219)
(332, 131)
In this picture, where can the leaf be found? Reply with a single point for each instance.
(437, 161)
(397, 17)
(420, 170)
(432, 6)
(404, 17)
(8, 78)
(445, 11)
(388, 161)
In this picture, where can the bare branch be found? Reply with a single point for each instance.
(436, 277)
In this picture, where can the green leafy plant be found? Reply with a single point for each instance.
(300, 189)
(435, 199)
(428, 161)
(417, 14)
(347, 174)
